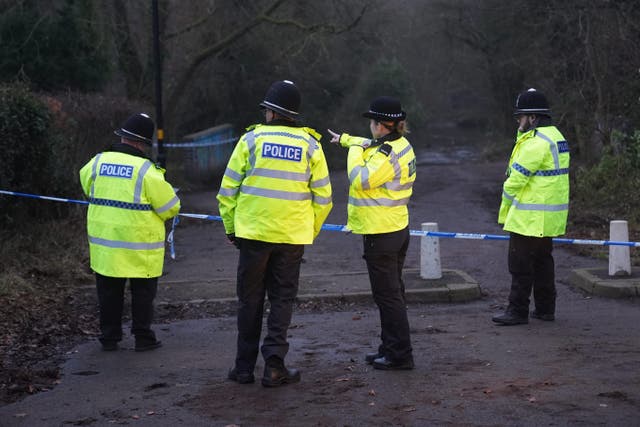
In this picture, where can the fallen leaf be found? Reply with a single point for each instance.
(20, 415)
(487, 391)
(372, 392)
(532, 399)
(356, 318)
(409, 409)
(371, 403)
(150, 413)
(135, 417)
(342, 379)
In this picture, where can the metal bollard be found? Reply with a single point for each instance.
(430, 253)
(619, 257)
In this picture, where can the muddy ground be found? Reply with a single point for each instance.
(582, 369)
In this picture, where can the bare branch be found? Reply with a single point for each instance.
(190, 27)
(212, 50)
(328, 28)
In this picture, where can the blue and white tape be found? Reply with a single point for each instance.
(344, 229)
(196, 144)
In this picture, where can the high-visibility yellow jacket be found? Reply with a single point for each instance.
(276, 187)
(535, 195)
(381, 183)
(129, 202)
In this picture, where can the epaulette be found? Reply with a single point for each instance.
(385, 149)
(313, 133)
(252, 127)
(160, 168)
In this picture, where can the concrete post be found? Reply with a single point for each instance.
(430, 253)
(619, 257)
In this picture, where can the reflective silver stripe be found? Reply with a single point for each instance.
(553, 147)
(274, 194)
(285, 134)
(540, 207)
(171, 203)
(508, 196)
(94, 174)
(321, 200)
(378, 202)
(118, 244)
(229, 192)
(251, 145)
(405, 151)
(364, 176)
(137, 193)
(397, 171)
(321, 182)
(312, 148)
(233, 175)
(272, 173)
(396, 186)
(394, 159)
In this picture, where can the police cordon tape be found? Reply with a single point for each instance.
(205, 143)
(344, 229)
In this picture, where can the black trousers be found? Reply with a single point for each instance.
(270, 269)
(532, 268)
(111, 301)
(385, 254)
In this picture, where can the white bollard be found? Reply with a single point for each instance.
(430, 253)
(619, 257)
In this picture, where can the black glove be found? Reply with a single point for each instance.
(232, 239)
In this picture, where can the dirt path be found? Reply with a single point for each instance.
(580, 370)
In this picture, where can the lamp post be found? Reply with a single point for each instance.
(162, 157)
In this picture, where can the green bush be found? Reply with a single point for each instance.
(609, 189)
(24, 149)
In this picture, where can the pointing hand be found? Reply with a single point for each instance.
(335, 137)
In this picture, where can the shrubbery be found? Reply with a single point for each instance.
(609, 189)
(25, 125)
(45, 140)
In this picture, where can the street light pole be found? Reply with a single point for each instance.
(162, 157)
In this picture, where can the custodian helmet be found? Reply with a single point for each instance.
(138, 127)
(532, 102)
(283, 97)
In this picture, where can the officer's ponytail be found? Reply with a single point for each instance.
(402, 128)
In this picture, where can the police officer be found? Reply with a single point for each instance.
(129, 202)
(274, 197)
(381, 173)
(534, 208)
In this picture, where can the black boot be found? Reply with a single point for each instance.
(241, 377)
(549, 317)
(385, 364)
(509, 318)
(276, 374)
(370, 357)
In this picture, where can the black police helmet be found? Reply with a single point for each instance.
(283, 97)
(532, 102)
(138, 127)
(385, 109)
